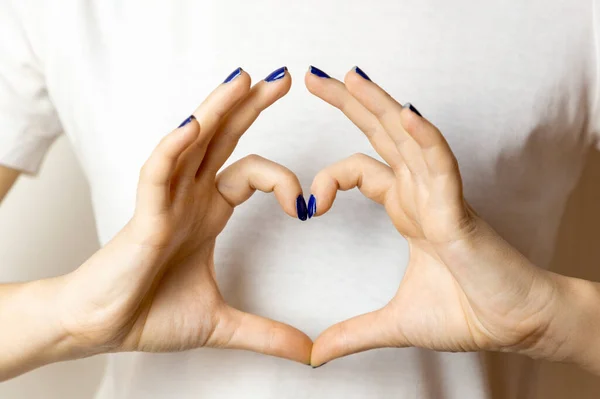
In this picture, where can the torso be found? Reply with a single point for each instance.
(510, 83)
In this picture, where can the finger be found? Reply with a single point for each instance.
(445, 199)
(335, 93)
(438, 156)
(373, 178)
(240, 330)
(262, 96)
(369, 331)
(210, 114)
(155, 176)
(387, 111)
(240, 180)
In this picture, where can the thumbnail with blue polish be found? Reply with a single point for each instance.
(276, 75)
(301, 208)
(312, 206)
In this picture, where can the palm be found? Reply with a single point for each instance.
(465, 288)
(179, 313)
(431, 310)
(429, 307)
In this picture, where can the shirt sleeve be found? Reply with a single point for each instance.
(28, 121)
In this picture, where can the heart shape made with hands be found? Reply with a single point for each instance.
(165, 298)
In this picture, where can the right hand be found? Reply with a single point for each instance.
(153, 287)
(465, 288)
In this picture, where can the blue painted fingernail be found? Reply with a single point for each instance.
(361, 73)
(312, 206)
(233, 75)
(188, 120)
(412, 108)
(276, 74)
(301, 208)
(317, 72)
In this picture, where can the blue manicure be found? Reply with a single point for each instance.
(317, 72)
(312, 206)
(301, 208)
(276, 74)
(188, 120)
(233, 75)
(413, 109)
(361, 73)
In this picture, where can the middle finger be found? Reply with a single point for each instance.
(260, 97)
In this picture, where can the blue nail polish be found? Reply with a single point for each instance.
(188, 120)
(276, 74)
(233, 75)
(312, 206)
(361, 73)
(317, 72)
(301, 208)
(413, 109)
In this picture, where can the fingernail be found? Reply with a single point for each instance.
(361, 73)
(312, 206)
(188, 120)
(317, 72)
(276, 75)
(412, 108)
(233, 75)
(316, 367)
(301, 208)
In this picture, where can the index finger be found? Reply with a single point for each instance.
(242, 116)
(335, 93)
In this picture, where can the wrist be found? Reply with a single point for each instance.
(572, 335)
(31, 335)
(44, 309)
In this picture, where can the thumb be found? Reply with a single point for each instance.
(239, 330)
(361, 333)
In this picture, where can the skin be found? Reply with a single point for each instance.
(152, 288)
(8, 177)
(465, 288)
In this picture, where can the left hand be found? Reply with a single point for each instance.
(153, 287)
(465, 288)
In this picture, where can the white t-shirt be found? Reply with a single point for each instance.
(512, 84)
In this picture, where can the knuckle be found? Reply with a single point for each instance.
(271, 341)
(342, 342)
(358, 157)
(286, 173)
(252, 159)
(323, 174)
(371, 129)
(146, 171)
(290, 176)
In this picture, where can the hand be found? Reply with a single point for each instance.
(465, 288)
(153, 288)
